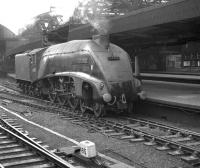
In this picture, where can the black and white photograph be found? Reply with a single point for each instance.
(99, 83)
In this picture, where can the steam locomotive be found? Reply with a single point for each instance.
(92, 75)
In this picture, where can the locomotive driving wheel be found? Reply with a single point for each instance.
(30, 90)
(83, 106)
(73, 100)
(62, 98)
(98, 109)
(52, 94)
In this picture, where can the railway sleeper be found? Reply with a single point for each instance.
(127, 137)
(10, 157)
(151, 142)
(163, 147)
(29, 162)
(139, 139)
(177, 152)
(193, 143)
(8, 146)
(192, 159)
(182, 139)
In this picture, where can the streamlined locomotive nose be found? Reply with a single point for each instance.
(122, 92)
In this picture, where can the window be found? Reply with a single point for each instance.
(186, 63)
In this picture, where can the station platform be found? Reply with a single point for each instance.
(181, 78)
(186, 95)
(11, 75)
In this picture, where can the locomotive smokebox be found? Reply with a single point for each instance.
(102, 40)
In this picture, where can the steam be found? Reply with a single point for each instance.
(94, 13)
(101, 25)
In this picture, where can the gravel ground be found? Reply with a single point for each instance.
(136, 154)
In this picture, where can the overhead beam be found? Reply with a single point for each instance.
(143, 18)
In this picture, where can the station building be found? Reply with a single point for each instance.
(183, 58)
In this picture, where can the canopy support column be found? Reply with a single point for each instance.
(137, 67)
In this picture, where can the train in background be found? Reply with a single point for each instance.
(93, 75)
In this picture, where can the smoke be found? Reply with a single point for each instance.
(96, 13)
(101, 25)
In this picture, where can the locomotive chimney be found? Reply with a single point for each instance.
(102, 40)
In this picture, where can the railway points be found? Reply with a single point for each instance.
(110, 162)
(113, 162)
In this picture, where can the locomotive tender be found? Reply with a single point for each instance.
(86, 74)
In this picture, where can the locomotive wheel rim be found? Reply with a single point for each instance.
(98, 109)
(73, 102)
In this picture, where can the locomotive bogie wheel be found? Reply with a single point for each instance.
(98, 109)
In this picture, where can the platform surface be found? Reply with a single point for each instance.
(173, 77)
(181, 94)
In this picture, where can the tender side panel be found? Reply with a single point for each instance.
(22, 67)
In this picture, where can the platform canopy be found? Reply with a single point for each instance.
(176, 22)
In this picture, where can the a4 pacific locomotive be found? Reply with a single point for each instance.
(90, 75)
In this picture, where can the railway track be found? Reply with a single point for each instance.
(17, 149)
(176, 141)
